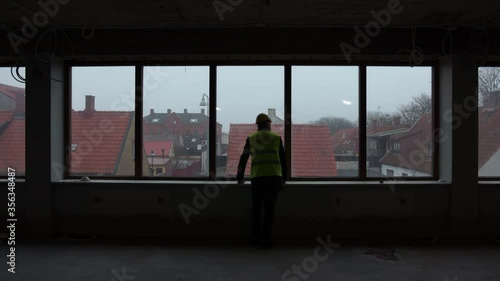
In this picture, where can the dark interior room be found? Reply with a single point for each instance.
(278, 140)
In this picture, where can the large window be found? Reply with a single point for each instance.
(12, 120)
(399, 122)
(489, 122)
(196, 118)
(176, 121)
(325, 134)
(102, 121)
(242, 93)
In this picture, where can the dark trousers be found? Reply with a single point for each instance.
(264, 193)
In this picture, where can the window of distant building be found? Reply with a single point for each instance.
(395, 147)
(390, 172)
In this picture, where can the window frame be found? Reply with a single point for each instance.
(483, 178)
(212, 93)
(13, 64)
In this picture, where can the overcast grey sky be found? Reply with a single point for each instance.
(245, 91)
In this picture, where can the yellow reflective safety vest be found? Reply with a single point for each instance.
(264, 148)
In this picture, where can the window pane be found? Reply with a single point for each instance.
(176, 123)
(242, 93)
(102, 121)
(12, 121)
(324, 121)
(399, 122)
(489, 122)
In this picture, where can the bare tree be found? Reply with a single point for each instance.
(412, 111)
(335, 123)
(381, 118)
(488, 82)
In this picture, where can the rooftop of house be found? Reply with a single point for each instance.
(345, 139)
(489, 135)
(159, 148)
(6, 116)
(11, 91)
(12, 146)
(186, 117)
(415, 138)
(97, 140)
(312, 155)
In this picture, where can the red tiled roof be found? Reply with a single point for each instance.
(156, 146)
(345, 139)
(489, 135)
(12, 147)
(98, 157)
(6, 116)
(312, 153)
(11, 91)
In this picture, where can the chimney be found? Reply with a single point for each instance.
(89, 106)
(169, 110)
(203, 111)
(185, 110)
(89, 103)
(20, 106)
(271, 112)
(397, 121)
(151, 111)
(374, 122)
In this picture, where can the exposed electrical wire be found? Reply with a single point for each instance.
(17, 75)
(415, 55)
(90, 33)
(53, 30)
(443, 48)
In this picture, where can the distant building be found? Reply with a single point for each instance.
(409, 153)
(188, 131)
(345, 143)
(160, 155)
(102, 142)
(312, 155)
(489, 135)
(12, 129)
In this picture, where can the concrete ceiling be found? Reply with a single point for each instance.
(250, 13)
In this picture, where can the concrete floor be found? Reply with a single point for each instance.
(155, 260)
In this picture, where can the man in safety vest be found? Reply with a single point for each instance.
(268, 173)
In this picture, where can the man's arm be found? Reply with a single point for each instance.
(284, 171)
(243, 161)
